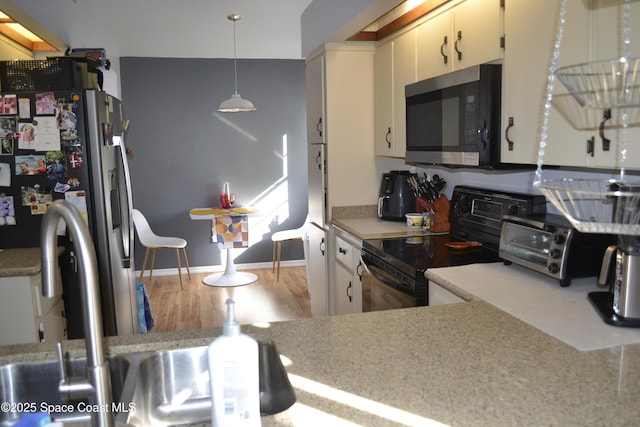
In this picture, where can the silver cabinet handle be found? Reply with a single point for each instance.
(444, 55)
(606, 142)
(455, 45)
(506, 134)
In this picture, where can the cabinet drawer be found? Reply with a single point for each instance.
(344, 253)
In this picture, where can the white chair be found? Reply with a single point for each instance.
(153, 242)
(278, 237)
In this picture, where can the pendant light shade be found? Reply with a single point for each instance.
(235, 103)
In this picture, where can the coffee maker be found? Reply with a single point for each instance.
(620, 272)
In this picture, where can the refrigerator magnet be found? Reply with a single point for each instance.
(24, 108)
(74, 158)
(47, 135)
(5, 175)
(9, 104)
(6, 145)
(45, 103)
(26, 140)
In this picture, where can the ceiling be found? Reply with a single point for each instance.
(169, 28)
(268, 29)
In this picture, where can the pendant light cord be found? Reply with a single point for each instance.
(235, 65)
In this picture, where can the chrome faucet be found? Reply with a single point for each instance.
(97, 382)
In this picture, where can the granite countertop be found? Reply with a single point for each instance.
(466, 364)
(22, 261)
(376, 228)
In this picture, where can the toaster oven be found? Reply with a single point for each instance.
(550, 245)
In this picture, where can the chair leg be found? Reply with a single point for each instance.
(153, 261)
(278, 255)
(144, 263)
(179, 267)
(186, 261)
(273, 262)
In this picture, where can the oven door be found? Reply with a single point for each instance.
(383, 289)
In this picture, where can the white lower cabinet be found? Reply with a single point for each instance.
(346, 273)
(440, 296)
(26, 316)
(318, 289)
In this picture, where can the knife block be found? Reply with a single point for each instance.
(440, 208)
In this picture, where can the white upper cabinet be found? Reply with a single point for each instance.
(530, 29)
(468, 34)
(315, 100)
(394, 68)
(607, 39)
(573, 135)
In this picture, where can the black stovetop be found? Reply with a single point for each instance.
(416, 254)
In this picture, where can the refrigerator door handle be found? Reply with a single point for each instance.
(126, 241)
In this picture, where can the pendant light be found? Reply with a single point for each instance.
(235, 103)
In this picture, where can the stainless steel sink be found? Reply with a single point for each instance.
(36, 384)
(172, 388)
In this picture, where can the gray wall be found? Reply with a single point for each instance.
(183, 150)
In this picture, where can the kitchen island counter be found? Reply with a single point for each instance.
(466, 364)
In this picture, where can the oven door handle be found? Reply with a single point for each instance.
(381, 275)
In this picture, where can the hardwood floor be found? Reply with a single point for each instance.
(201, 306)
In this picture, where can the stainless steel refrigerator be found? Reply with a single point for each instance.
(71, 145)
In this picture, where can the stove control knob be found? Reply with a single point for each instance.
(512, 209)
(555, 254)
(553, 268)
(558, 239)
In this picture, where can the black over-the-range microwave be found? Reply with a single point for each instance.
(454, 119)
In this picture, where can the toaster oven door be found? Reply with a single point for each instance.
(526, 246)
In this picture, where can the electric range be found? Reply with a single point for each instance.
(475, 215)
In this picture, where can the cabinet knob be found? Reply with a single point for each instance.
(348, 291)
(342, 251)
(319, 126)
(387, 137)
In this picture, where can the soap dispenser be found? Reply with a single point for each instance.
(234, 376)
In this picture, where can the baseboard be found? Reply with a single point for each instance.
(220, 268)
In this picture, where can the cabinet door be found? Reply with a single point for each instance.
(344, 290)
(316, 171)
(607, 37)
(17, 314)
(530, 29)
(435, 46)
(477, 31)
(315, 100)
(53, 327)
(318, 289)
(404, 73)
(383, 99)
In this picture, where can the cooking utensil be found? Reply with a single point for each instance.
(463, 245)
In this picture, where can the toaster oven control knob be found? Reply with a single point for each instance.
(558, 239)
(555, 254)
(553, 268)
(512, 209)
